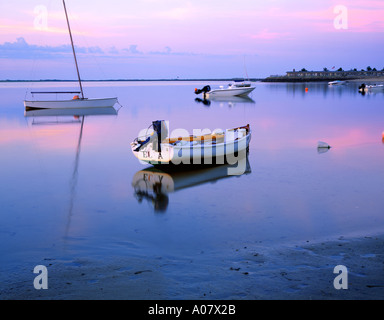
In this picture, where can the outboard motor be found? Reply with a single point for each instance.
(161, 130)
(362, 88)
(203, 90)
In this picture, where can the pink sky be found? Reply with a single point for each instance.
(187, 39)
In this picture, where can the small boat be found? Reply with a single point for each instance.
(218, 147)
(336, 82)
(371, 88)
(323, 147)
(77, 101)
(241, 83)
(229, 91)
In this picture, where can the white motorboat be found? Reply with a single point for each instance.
(218, 147)
(222, 91)
(371, 88)
(336, 83)
(77, 101)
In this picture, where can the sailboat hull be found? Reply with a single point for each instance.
(71, 104)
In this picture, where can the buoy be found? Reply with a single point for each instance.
(306, 89)
(322, 144)
(75, 98)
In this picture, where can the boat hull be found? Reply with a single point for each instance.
(194, 153)
(230, 92)
(337, 83)
(71, 104)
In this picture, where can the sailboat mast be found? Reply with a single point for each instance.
(73, 49)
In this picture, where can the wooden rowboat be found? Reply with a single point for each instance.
(217, 147)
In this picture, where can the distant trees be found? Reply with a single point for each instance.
(325, 69)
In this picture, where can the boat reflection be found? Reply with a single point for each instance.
(154, 185)
(65, 113)
(222, 101)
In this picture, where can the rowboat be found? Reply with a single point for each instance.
(217, 147)
(79, 100)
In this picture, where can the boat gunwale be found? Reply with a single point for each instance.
(70, 100)
(192, 138)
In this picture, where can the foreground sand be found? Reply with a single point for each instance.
(246, 273)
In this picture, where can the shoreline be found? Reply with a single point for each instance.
(302, 80)
(303, 271)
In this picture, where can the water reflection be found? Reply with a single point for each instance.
(226, 101)
(154, 185)
(77, 112)
(43, 117)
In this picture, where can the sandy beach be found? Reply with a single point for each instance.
(253, 272)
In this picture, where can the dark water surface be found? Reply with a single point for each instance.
(68, 193)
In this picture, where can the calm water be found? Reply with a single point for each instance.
(71, 191)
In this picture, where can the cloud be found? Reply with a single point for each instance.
(132, 49)
(20, 49)
(169, 52)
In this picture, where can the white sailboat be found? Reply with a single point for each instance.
(78, 101)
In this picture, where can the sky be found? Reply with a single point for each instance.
(195, 39)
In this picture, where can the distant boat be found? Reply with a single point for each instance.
(241, 83)
(336, 82)
(371, 88)
(229, 91)
(77, 101)
(159, 149)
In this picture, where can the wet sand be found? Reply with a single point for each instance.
(248, 272)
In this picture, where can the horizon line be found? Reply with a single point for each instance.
(98, 80)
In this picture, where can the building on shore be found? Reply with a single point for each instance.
(326, 75)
